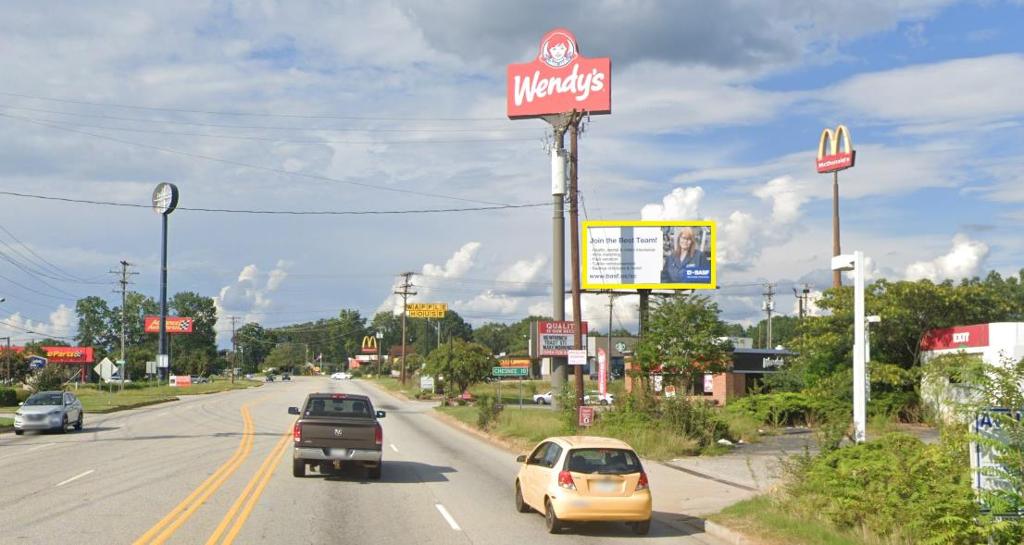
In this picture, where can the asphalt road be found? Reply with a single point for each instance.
(216, 469)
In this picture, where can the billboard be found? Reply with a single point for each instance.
(427, 310)
(175, 324)
(832, 157)
(661, 255)
(559, 80)
(369, 345)
(557, 338)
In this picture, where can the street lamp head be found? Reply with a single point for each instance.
(842, 262)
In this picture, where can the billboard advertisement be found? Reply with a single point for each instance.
(559, 80)
(557, 338)
(175, 324)
(835, 150)
(62, 354)
(660, 255)
(427, 310)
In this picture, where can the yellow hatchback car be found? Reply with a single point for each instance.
(584, 478)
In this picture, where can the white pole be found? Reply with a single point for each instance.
(859, 406)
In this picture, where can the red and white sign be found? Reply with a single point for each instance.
(951, 338)
(559, 80)
(557, 338)
(831, 156)
(175, 324)
(602, 371)
(181, 381)
(62, 354)
(586, 416)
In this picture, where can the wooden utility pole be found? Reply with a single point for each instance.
(574, 245)
(405, 293)
(124, 311)
(234, 348)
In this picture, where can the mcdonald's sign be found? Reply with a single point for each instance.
(830, 158)
(369, 344)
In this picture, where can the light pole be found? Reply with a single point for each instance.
(855, 262)
(380, 338)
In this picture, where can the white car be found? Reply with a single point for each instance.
(597, 397)
(542, 399)
(341, 375)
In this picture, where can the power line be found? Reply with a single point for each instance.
(278, 212)
(242, 164)
(243, 113)
(42, 260)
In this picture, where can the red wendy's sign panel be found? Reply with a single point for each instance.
(63, 354)
(559, 80)
(175, 324)
(966, 336)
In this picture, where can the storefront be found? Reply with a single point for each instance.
(79, 357)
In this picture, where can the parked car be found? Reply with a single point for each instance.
(336, 429)
(270, 378)
(542, 399)
(286, 376)
(595, 397)
(196, 379)
(49, 411)
(341, 375)
(584, 478)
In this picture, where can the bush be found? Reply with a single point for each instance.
(8, 396)
(488, 409)
(778, 409)
(51, 377)
(694, 419)
(896, 488)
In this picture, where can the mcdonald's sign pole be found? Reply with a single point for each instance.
(833, 158)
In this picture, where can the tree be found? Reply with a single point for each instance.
(254, 343)
(460, 363)
(202, 342)
(286, 357)
(494, 336)
(93, 323)
(682, 340)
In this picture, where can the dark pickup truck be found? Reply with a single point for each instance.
(334, 429)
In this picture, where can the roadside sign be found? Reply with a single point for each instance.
(586, 416)
(988, 474)
(36, 362)
(163, 361)
(150, 367)
(427, 310)
(577, 357)
(427, 383)
(510, 371)
(670, 391)
(105, 369)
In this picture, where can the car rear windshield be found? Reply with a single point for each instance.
(45, 399)
(606, 461)
(341, 407)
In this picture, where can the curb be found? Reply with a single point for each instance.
(727, 535)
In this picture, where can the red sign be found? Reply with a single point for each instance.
(559, 328)
(830, 158)
(965, 336)
(559, 80)
(63, 354)
(602, 371)
(175, 324)
(586, 416)
(181, 381)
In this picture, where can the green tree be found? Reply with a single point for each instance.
(682, 339)
(494, 336)
(286, 356)
(460, 363)
(94, 320)
(254, 344)
(202, 342)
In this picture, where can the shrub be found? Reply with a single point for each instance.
(778, 409)
(8, 396)
(895, 487)
(694, 419)
(51, 377)
(488, 409)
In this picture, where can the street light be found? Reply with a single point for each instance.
(855, 262)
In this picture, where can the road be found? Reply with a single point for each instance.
(216, 469)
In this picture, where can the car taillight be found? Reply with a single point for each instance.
(378, 435)
(642, 483)
(297, 432)
(565, 480)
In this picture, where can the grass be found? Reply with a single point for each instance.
(763, 518)
(522, 428)
(6, 423)
(103, 401)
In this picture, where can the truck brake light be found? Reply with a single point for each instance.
(378, 435)
(297, 432)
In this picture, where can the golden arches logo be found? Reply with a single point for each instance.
(832, 157)
(369, 344)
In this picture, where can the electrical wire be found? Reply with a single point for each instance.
(246, 165)
(43, 260)
(277, 212)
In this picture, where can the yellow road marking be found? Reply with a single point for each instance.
(163, 529)
(250, 495)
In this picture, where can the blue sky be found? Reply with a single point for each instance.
(352, 105)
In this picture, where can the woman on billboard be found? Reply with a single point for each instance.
(687, 263)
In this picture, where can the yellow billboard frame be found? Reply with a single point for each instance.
(713, 284)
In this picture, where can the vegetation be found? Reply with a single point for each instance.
(101, 401)
(6, 423)
(461, 364)
(765, 518)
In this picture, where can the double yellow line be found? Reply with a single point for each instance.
(164, 529)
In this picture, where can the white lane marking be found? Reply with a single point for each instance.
(448, 517)
(76, 477)
(393, 447)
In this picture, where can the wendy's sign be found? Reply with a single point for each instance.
(559, 80)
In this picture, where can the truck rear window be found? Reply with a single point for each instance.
(347, 407)
(606, 461)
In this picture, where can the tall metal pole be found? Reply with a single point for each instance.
(574, 248)
(837, 276)
(558, 363)
(859, 375)
(163, 299)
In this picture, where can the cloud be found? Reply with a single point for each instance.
(683, 203)
(786, 198)
(431, 277)
(248, 296)
(62, 324)
(963, 261)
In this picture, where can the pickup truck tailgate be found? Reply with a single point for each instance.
(339, 433)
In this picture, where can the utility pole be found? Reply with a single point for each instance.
(558, 178)
(405, 293)
(125, 273)
(769, 307)
(234, 348)
(611, 307)
(574, 245)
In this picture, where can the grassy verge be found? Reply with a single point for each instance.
(520, 428)
(103, 401)
(761, 517)
(393, 385)
(6, 423)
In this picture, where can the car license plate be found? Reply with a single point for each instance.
(606, 486)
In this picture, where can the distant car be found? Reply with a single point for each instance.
(270, 378)
(341, 375)
(286, 376)
(595, 397)
(542, 399)
(196, 379)
(584, 478)
(49, 411)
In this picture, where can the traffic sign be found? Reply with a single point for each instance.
(510, 371)
(37, 362)
(105, 369)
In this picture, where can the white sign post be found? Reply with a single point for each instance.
(577, 357)
(855, 262)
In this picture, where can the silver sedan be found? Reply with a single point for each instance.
(49, 411)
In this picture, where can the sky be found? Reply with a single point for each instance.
(391, 107)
